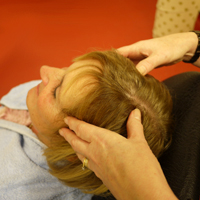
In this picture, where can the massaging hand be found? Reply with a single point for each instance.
(161, 51)
(119, 162)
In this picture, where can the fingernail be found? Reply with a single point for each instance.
(61, 132)
(137, 114)
(66, 120)
(142, 70)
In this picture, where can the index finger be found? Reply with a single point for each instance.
(83, 130)
(79, 145)
(132, 51)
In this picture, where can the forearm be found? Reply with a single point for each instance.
(149, 183)
(191, 42)
(156, 187)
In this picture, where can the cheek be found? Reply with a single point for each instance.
(44, 108)
(31, 101)
(30, 97)
(44, 101)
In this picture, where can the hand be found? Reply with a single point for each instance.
(124, 165)
(158, 52)
(88, 137)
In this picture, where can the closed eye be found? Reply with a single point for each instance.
(55, 89)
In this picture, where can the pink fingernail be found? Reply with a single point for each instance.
(142, 70)
(137, 114)
(66, 120)
(61, 132)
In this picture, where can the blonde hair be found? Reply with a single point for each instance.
(117, 89)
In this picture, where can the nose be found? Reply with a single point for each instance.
(45, 73)
(50, 74)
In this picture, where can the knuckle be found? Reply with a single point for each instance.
(79, 129)
(69, 122)
(148, 65)
(74, 143)
(163, 55)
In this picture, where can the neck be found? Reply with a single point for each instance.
(44, 139)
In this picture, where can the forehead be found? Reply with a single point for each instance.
(78, 82)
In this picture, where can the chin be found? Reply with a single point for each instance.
(30, 98)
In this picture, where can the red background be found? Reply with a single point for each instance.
(53, 32)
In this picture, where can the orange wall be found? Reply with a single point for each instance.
(52, 32)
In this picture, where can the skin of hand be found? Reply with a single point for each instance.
(126, 166)
(167, 50)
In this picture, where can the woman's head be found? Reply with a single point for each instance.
(104, 89)
(47, 100)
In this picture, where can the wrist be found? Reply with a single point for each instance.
(147, 182)
(193, 42)
(157, 188)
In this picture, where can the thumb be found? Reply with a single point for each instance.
(149, 63)
(134, 126)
